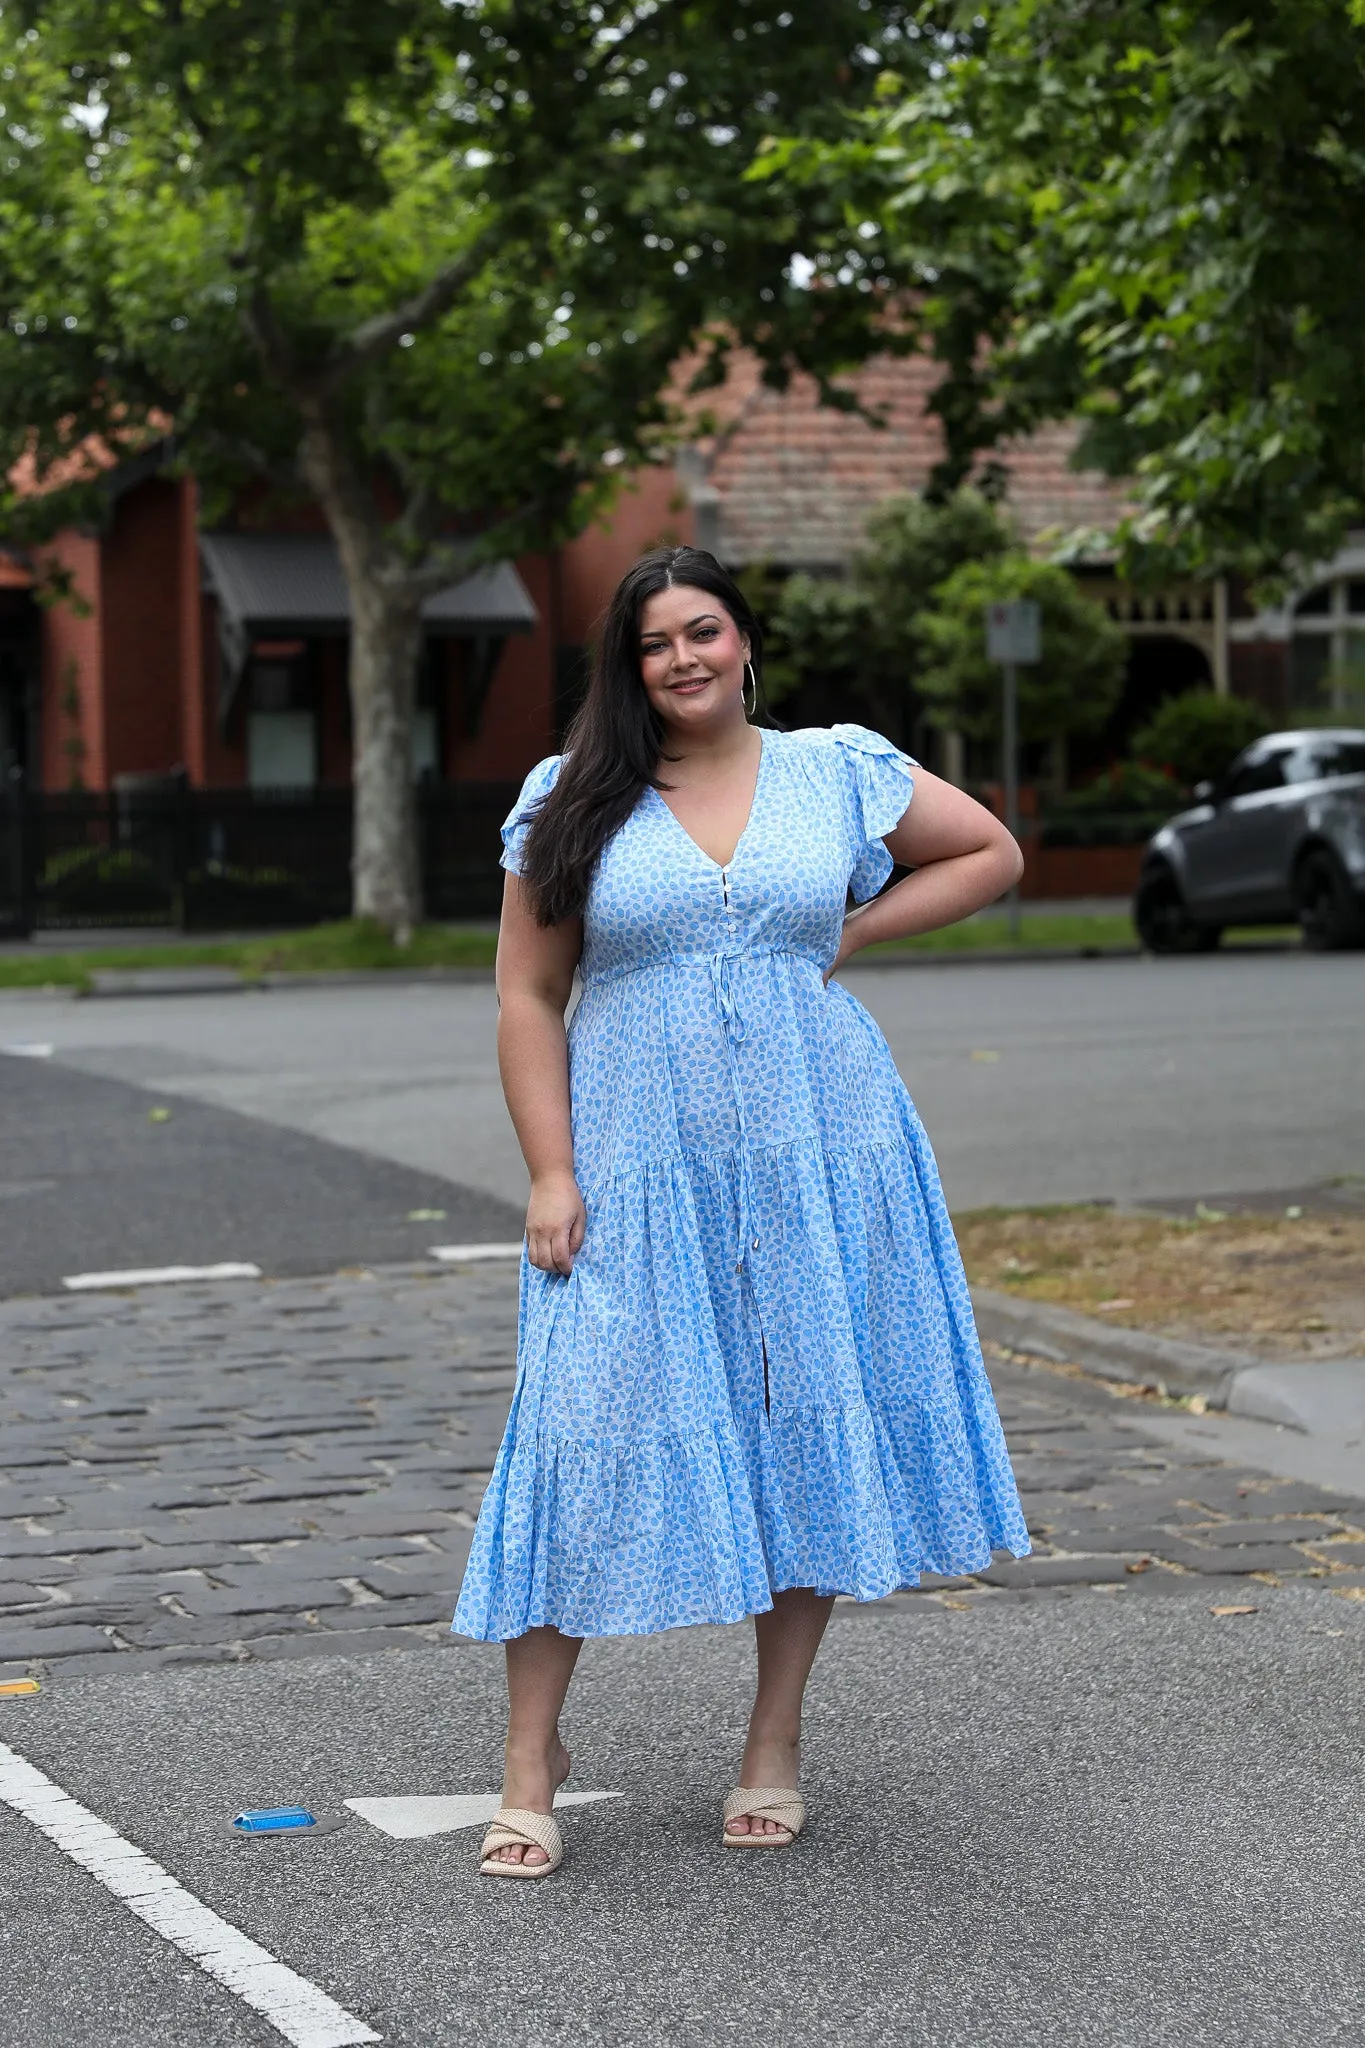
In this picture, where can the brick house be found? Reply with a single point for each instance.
(222, 656)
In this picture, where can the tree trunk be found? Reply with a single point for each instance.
(386, 639)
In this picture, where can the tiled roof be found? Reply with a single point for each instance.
(797, 480)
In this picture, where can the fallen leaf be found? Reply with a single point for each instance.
(1232, 1610)
(962, 1604)
(1119, 1301)
(158, 1116)
(1313, 1323)
(1207, 1215)
(1197, 1405)
(426, 1215)
(1144, 1564)
(984, 1059)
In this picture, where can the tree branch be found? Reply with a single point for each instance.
(461, 557)
(258, 315)
(377, 336)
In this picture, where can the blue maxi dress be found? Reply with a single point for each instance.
(763, 1370)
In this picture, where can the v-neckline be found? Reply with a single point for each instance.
(722, 866)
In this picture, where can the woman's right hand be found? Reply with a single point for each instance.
(555, 1222)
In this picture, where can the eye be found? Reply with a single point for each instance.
(706, 632)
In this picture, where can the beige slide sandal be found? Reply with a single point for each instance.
(764, 1802)
(533, 1830)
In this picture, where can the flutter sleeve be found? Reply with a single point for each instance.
(517, 824)
(881, 782)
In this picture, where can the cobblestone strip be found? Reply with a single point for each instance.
(1108, 1508)
(293, 1468)
(211, 1473)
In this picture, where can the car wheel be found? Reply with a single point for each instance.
(1163, 922)
(1330, 917)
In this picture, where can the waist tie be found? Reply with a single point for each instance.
(731, 1016)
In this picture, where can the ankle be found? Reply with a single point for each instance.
(532, 1748)
(773, 1732)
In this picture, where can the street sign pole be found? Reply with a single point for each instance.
(1013, 636)
(1010, 733)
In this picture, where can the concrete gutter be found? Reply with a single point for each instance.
(1319, 1396)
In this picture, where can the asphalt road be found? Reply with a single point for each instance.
(99, 1175)
(1126, 1079)
(1083, 1821)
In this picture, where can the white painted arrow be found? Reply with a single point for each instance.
(408, 1820)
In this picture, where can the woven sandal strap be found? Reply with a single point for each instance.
(518, 1824)
(766, 1802)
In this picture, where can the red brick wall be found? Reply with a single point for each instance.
(650, 511)
(517, 725)
(1053, 871)
(141, 581)
(195, 710)
(72, 660)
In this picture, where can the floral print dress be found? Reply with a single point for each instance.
(762, 1371)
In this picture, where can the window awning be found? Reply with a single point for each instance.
(291, 584)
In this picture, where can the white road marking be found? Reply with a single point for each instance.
(296, 2008)
(159, 1276)
(410, 1820)
(30, 1050)
(463, 1254)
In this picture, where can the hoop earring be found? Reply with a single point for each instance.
(748, 690)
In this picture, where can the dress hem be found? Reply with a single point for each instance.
(740, 1613)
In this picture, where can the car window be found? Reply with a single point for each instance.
(1262, 771)
(1341, 757)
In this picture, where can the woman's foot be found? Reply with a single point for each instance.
(530, 1781)
(767, 1761)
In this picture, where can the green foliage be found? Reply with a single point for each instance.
(1149, 215)
(860, 636)
(820, 627)
(467, 241)
(1197, 735)
(1129, 786)
(1074, 687)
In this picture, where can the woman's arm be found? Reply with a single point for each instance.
(963, 859)
(535, 980)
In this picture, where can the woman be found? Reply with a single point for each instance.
(748, 1376)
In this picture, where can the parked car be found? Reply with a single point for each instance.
(1280, 837)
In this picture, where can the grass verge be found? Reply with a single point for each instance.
(357, 945)
(1282, 1285)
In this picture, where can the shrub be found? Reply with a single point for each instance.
(1197, 735)
(1127, 786)
(1071, 690)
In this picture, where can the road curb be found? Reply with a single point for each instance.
(1108, 1350)
(1321, 1397)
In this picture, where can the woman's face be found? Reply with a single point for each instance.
(692, 657)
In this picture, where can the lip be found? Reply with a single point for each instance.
(691, 684)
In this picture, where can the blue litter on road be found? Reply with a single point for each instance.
(274, 1820)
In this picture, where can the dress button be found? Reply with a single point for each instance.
(754, 1246)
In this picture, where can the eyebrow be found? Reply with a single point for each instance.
(657, 632)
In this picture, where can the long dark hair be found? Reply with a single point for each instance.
(613, 747)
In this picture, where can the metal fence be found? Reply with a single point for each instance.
(227, 859)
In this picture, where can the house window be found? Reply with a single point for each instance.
(1327, 653)
(281, 722)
